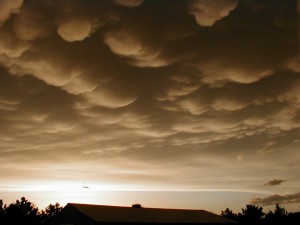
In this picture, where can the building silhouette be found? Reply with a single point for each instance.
(84, 214)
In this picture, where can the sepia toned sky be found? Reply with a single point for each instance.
(151, 96)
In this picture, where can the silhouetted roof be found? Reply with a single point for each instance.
(97, 214)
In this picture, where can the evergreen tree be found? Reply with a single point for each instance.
(22, 212)
(251, 215)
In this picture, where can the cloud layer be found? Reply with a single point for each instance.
(151, 94)
(280, 199)
(207, 13)
(274, 182)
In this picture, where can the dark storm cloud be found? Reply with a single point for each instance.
(274, 182)
(195, 85)
(129, 3)
(8, 8)
(281, 199)
(208, 12)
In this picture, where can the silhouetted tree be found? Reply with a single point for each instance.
(251, 215)
(50, 212)
(277, 217)
(280, 211)
(254, 215)
(229, 214)
(2, 210)
(22, 212)
(293, 218)
(2, 206)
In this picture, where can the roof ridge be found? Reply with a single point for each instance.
(116, 206)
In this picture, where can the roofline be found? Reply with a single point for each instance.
(115, 206)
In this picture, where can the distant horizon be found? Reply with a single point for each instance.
(150, 199)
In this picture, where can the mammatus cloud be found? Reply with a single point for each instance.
(274, 182)
(211, 72)
(32, 23)
(139, 89)
(104, 96)
(74, 29)
(208, 12)
(9, 7)
(281, 199)
(139, 51)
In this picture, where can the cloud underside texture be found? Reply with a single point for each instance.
(176, 94)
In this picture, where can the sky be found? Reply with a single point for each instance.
(169, 103)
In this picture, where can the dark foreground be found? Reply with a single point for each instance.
(24, 212)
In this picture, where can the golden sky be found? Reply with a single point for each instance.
(151, 95)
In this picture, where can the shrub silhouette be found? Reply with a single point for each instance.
(136, 205)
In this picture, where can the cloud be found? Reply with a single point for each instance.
(111, 96)
(129, 3)
(32, 23)
(268, 148)
(274, 182)
(11, 46)
(293, 64)
(140, 52)
(74, 29)
(240, 158)
(145, 90)
(178, 86)
(9, 7)
(281, 199)
(211, 72)
(123, 43)
(207, 13)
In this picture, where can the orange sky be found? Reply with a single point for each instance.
(151, 95)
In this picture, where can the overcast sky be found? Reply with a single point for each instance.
(170, 95)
